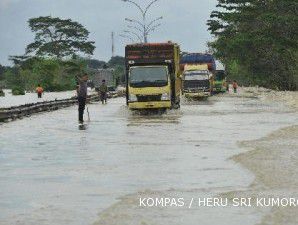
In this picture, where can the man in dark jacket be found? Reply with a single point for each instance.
(82, 95)
(103, 91)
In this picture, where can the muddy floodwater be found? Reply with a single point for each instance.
(29, 98)
(53, 173)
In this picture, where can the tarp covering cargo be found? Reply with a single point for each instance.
(198, 58)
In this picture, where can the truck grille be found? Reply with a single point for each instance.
(196, 84)
(148, 98)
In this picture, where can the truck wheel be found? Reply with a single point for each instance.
(176, 105)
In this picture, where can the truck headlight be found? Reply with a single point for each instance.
(133, 98)
(165, 97)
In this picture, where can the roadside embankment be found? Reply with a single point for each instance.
(289, 98)
(273, 160)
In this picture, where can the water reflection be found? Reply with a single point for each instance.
(84, 144)
(154, 117)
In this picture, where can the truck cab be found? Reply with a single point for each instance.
(197, 81)
(152, 75)
(220, 82)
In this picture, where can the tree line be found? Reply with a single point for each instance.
(257, 41)
(53, 59)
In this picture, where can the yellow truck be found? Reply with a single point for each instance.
(197, 81)
(153, 77)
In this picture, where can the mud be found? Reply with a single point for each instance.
(274, 162)
(288, 98)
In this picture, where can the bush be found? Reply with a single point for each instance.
(51, 74)
(18, 91)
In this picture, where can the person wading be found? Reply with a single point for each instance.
(103, 89)
(39, 91)
(82, 96)
(2, 94)
(235, 86)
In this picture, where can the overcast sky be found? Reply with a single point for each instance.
(184, 22)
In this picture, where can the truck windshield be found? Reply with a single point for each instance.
(155, 76)
(196, 75)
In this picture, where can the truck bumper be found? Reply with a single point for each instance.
(197, 95)
(150, 105)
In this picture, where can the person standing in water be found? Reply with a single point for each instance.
(235, 86)
(103, 90)
(2, 94)
(82, 95)
(39, 91)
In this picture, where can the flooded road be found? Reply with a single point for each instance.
(10, 100)
(52, 173)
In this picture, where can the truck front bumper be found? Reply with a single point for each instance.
(197, 95)
(150, 105)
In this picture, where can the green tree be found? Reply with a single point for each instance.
(257, 39)
(15, 81)
(118, 63)
(58, 37)
(2, 77)
(2, 70)
(52, 60)
(53, 74)
(95, 64)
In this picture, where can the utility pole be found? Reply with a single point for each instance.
(113, 44)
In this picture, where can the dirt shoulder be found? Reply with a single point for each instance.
(289, 98)
(274, 162)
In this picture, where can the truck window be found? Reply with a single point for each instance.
(155, 76)
(219, 75)
(196, 75)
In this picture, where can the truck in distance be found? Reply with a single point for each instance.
(153, 76)
(220, 81)
(198, 74)
(196, 81)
